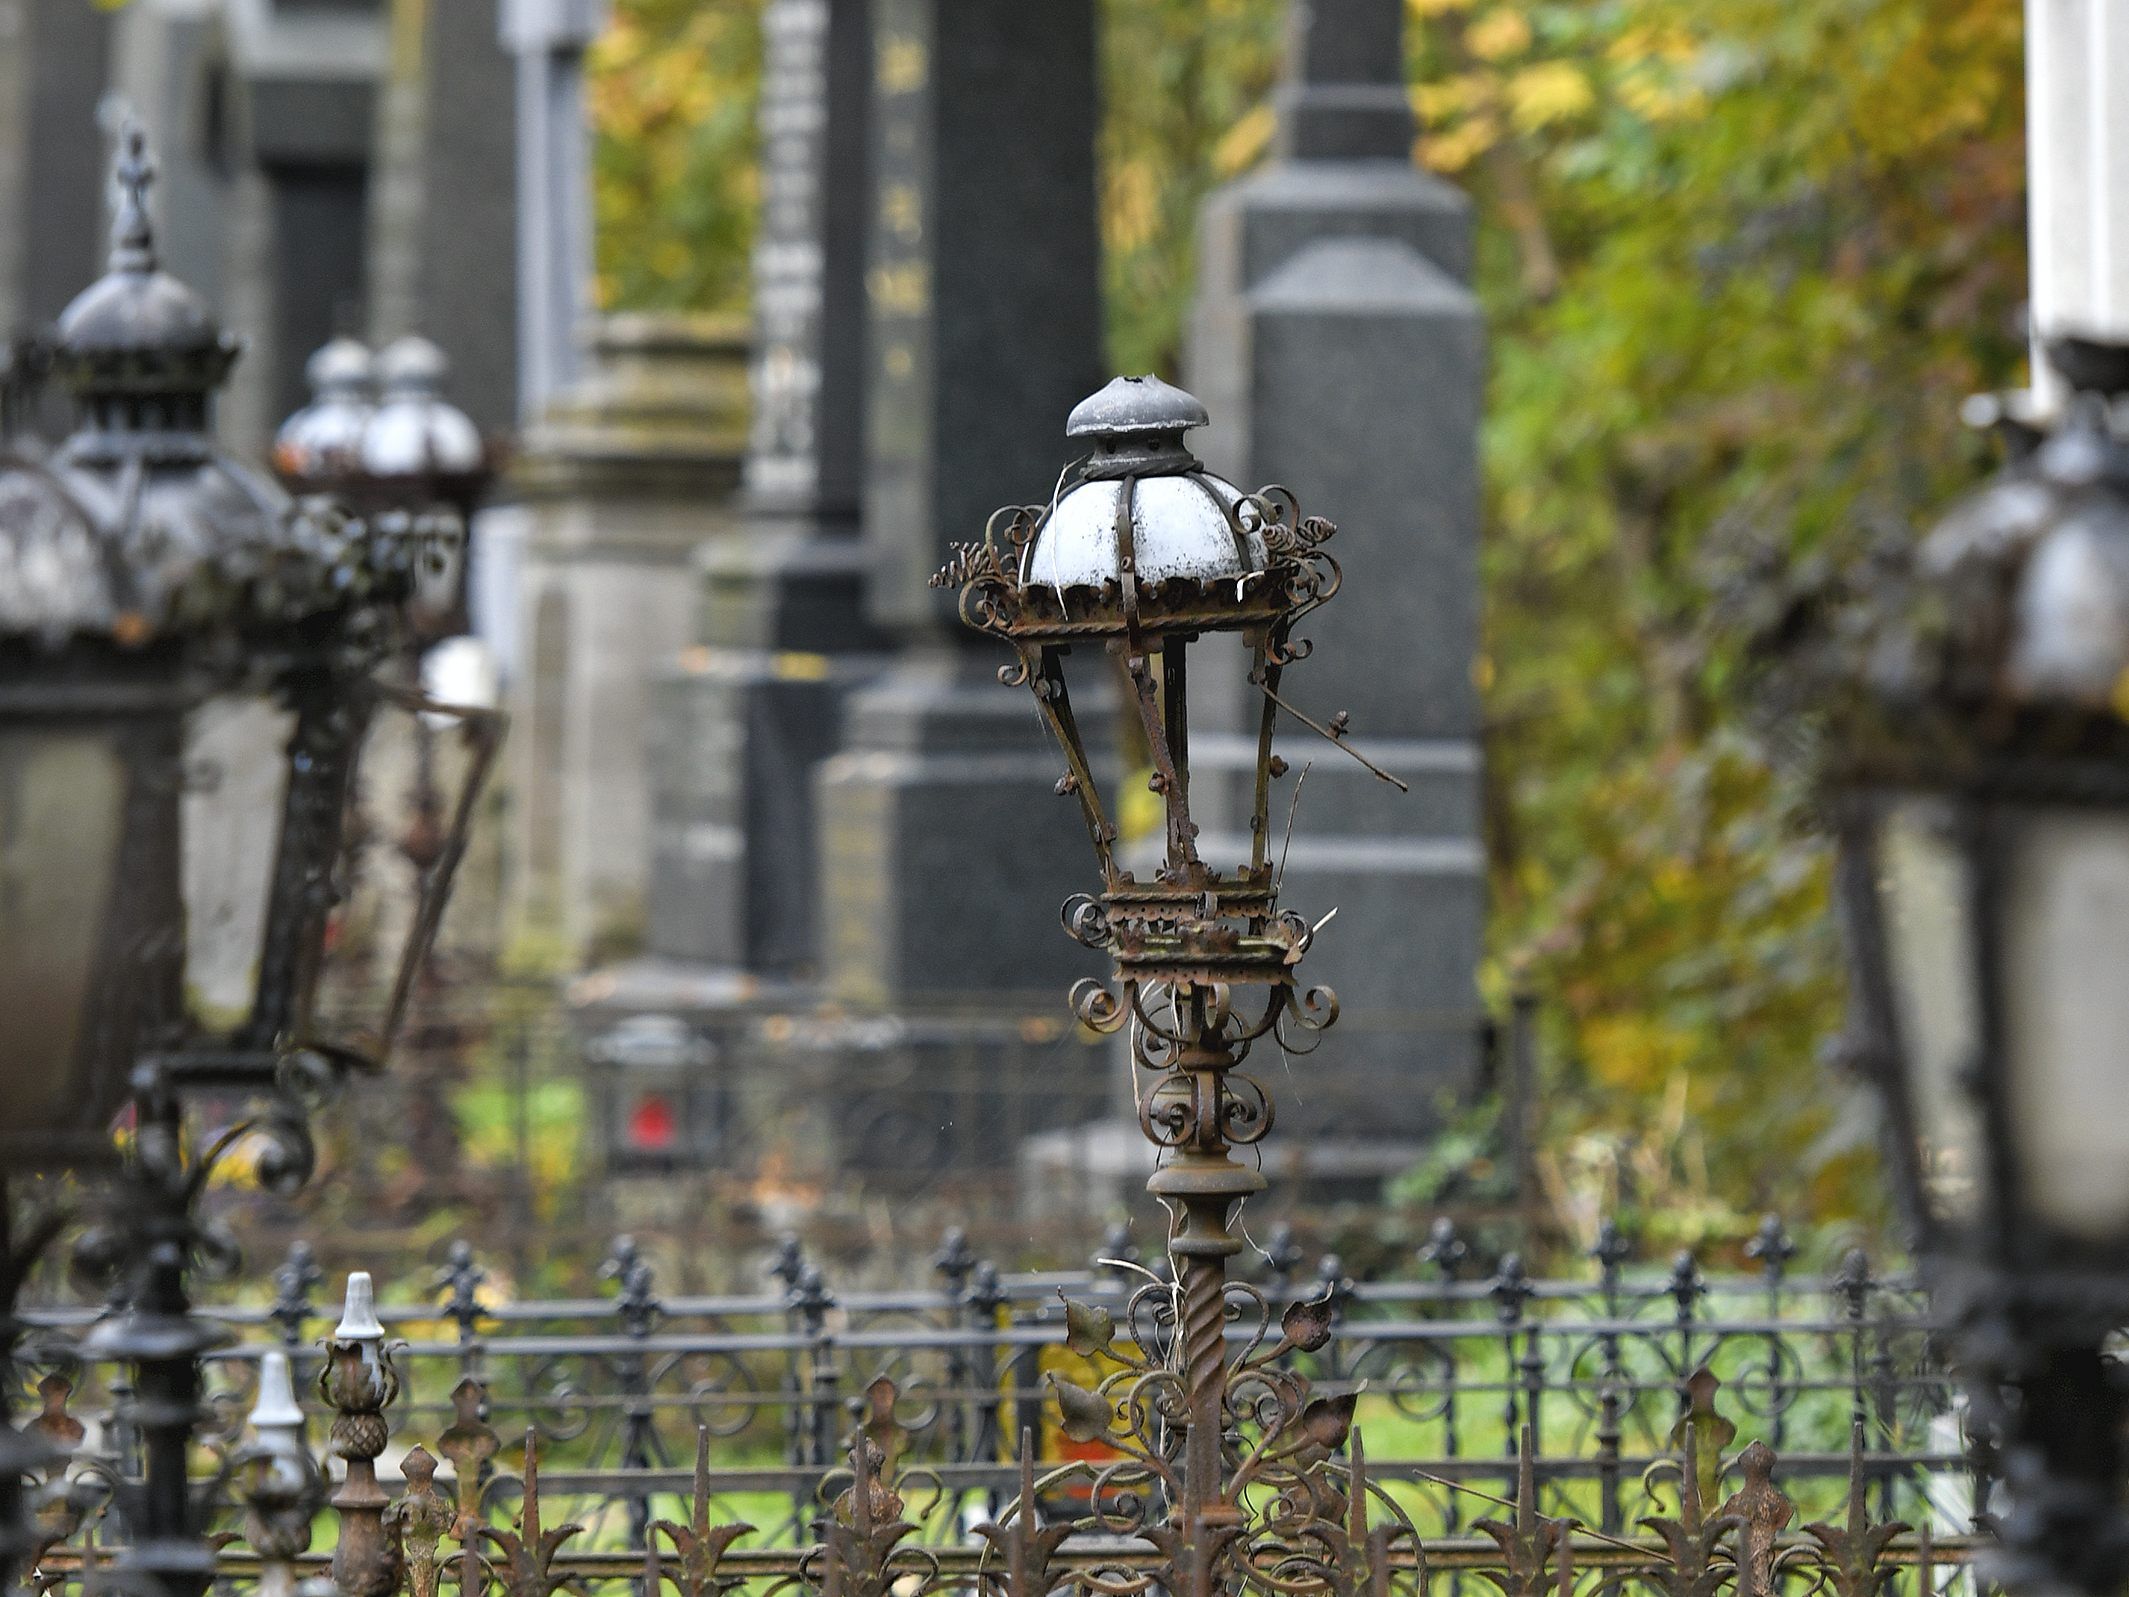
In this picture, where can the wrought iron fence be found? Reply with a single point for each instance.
(1566, 1402)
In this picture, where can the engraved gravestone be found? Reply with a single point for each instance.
(782, 631)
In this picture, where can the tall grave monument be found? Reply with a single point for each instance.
(442, 206)
(985, 331)
(548, 38)
(927, 313)
(54, 62)
(783, 634)
(1338, 348)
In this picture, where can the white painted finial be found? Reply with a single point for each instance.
(358, 1314)
(276, 1408)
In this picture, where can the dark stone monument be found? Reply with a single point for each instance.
(443, 203)
(938, 818)
(298, 120)
(54, 63)
(1340, 353)
(868, 969)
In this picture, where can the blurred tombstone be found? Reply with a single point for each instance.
(554, 248)
(941, 836)
(443, 200)
(623, 476)
(745, 718)
(54, 62)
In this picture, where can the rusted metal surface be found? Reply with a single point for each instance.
(1320, 1519)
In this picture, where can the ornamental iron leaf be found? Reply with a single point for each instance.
(1854, 1552)
(699, 1545)
(525, 1564)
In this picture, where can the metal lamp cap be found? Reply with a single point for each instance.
(1136, 407)
(358, 1314)
(276, 1408)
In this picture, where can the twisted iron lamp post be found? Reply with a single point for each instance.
(1141, 553)
(1967, 697)
(185, 654)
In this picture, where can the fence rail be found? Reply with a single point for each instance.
(1473, 1390)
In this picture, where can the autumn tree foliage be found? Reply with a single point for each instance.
(1741, 259)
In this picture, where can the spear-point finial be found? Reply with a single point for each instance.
(132, 235)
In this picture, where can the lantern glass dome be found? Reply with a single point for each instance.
(323, 441)
(415, 431)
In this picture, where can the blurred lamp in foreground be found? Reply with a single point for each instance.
(190, 672)
(1970, 696)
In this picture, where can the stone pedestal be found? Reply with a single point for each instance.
(623, 479)
(1340, 354)
(738, 735)
(942, 841)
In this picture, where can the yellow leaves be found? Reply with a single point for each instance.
(1132, 209)
(1457, 148)
(1466, 113)
(1636, 1053)
(1244, 144)
(1667, 42)
(1654, 99)
(1140, 814)
(1653, 77)
(1551, 91)
(1447, 98)
(1498, 35)
(1421, 10)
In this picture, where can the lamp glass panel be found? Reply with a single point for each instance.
(1923, 895)
(62, 805)
(2066, 982)
(236, 775)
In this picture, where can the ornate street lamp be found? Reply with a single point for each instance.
(1141, 553)
(1970, 701)
(189, 673)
